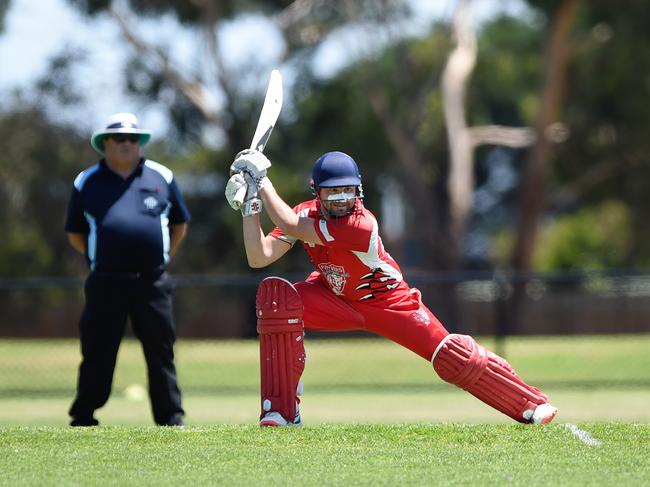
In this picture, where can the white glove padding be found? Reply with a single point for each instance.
(236, 190)
(252, 162)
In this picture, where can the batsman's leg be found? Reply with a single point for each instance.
(461, 361)
(282, 350)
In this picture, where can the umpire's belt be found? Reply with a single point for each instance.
(150, 275)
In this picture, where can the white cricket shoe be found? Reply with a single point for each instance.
(274, 418)
(543, 414)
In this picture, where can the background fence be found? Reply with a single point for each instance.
(39, 348)
(222, 306)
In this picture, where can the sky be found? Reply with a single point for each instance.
(36, 30)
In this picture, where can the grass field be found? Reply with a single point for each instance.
(391, 455)
(375, 414)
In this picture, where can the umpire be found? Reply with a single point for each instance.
(127, 216)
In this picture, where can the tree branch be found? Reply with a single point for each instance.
(571, 193)
(515, 137)
(192, 89)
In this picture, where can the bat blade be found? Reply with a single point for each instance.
(270, 112)
(268, 117)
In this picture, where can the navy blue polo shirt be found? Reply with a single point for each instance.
(126, 220)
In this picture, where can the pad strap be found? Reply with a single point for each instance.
(461, 361)
(282, 350)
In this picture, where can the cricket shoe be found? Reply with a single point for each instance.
(274, 418)
(176, 420)
(84, 421)
(543, 414)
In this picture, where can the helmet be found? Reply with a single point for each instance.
(334, 169)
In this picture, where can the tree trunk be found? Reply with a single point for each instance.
(533, 187)
(455, 78)
(463, 139)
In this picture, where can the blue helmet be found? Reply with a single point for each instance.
(334, 169)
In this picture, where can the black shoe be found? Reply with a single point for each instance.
(84, 422)
(176, 420)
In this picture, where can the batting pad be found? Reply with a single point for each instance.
(282, 349)
(461, 361)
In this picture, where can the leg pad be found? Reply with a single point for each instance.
(461, 361)
(282, 351)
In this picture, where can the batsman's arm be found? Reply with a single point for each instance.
(283, 216)
(261, 250)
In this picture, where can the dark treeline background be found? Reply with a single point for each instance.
(553, 105)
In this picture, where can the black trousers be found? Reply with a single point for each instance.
(147, 301)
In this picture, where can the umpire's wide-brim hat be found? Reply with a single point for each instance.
(119, 123)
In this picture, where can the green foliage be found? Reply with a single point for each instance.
(4, 6)
(38, 164)
(592, 238)
(338, 114)
(185, 120)
(505, 86)
(187, 12)
(606, 113)
(604, 157)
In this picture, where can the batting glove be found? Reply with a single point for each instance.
(252, 162)
(236, 190)
(252, 204)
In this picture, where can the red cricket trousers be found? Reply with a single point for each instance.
(407, 322)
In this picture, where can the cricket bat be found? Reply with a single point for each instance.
(268, 118)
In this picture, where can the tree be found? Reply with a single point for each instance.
(305, 24)
(401, 107)
(605, 154)
(548, 128)
(39, 161)
(463, 139)
(40, 158)
(4, 6)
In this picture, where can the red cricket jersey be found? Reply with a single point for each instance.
(352, 261)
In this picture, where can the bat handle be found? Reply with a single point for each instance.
(238, 199)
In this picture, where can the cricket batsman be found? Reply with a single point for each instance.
(355, 285)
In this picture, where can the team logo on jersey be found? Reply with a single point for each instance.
(150, 202)
(335, 275)
(422, 316)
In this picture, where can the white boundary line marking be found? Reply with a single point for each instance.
(582, 435)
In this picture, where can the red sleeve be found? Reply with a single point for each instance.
(301, 209)
(350, 233)
(280, 235)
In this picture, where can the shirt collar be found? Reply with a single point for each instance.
(103, 165)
